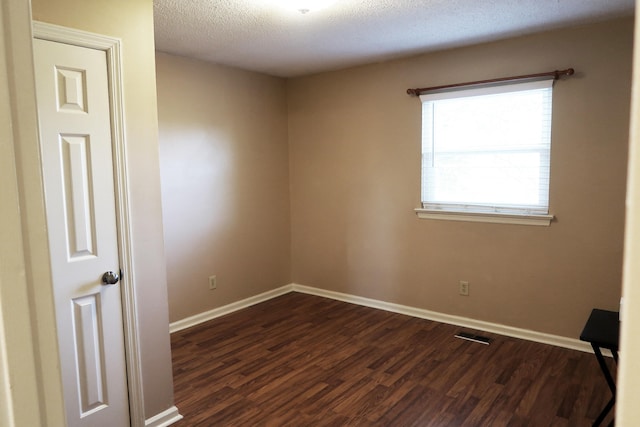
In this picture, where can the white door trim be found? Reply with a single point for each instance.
(112, 47)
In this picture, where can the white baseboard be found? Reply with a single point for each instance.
(164, 418)
(510, 331)
(226, 309)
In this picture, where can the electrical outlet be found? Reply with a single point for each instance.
(213, 283)
(464, 288)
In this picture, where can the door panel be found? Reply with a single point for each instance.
(75, 132)
(89, 353)
(76, 170)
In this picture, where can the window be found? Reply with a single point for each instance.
(486, 152)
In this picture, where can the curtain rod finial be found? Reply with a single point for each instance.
(567, 72)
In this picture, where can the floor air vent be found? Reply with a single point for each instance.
(475, 338)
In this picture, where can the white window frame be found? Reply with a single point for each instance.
(475, 212)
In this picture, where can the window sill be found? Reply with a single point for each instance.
(499, 218)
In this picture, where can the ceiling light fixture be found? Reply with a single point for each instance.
(306, 6)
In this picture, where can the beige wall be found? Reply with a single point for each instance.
(132, 21)
(22, 383)
(354, 139)
(225, 183)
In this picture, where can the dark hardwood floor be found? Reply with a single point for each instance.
(301, 360)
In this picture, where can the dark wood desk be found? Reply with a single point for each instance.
(601, 331)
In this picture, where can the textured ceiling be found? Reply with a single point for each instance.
(266, 36)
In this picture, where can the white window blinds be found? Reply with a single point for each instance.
(487, 149)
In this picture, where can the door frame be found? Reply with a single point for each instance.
(112, 48)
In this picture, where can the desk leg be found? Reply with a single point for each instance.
(610, 382)
(604, 413)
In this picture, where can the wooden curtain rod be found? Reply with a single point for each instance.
(555, 74)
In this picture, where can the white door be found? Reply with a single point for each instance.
(75, 132)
